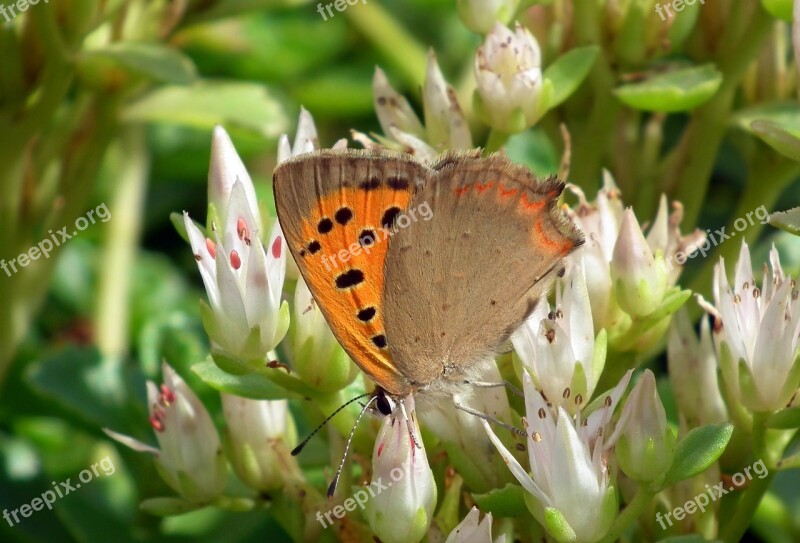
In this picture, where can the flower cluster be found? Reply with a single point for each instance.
(631, 278)
(591, 449)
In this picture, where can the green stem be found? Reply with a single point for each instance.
(495, 141)
(629, 515)
(738, 523)
(120, 245)
(693, 161)
(592, 139)
(392, 40)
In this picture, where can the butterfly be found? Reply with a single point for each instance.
(422, 272)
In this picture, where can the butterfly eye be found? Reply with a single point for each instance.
(384, 405)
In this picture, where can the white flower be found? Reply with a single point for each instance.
(189, 456)
(474, 530)
(756, 332)
(246, 318)
(392, 109)
(402, 508)
(569, 487)
(629, 276)
(508, 75)
(260, 436)
(558, 347)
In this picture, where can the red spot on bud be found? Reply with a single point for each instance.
(380, 450)
(211, 247)
(156, 423)
(276, 247)
(236, 261)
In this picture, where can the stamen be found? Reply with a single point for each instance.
(242, 230)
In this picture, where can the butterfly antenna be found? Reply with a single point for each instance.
(299, 448)
(332, 486)
(490, 418)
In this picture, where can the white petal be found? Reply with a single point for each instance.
(516, 469)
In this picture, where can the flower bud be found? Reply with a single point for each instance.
(481, 15)
(319, 359)
(646, 443)
(224, 170)
(508, 75)
(693, 372)
(445, 124)
(260, 436)
(189, 457)
(402, 508)
(640, 279)
(474, 530)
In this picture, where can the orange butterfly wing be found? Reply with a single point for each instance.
(334, 208)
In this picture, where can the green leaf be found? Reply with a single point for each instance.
(150, 59)
(81, 381)
(785, 419)
(778, 137)
(698, 449)
(508, 501)
(251, 385)
(569, 71)
(679, 90)
(781, 9)
(777, 124)
(787, 220)
(247, 106)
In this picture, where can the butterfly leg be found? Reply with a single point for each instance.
(408, 423)
(507, 384)
(489, 418)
